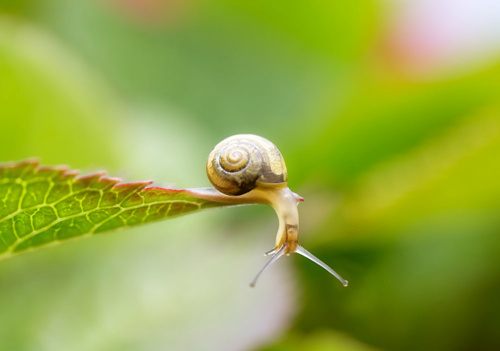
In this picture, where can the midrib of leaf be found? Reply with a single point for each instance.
(62, 206)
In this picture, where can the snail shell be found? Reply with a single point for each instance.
(242, 162)
(252, 167)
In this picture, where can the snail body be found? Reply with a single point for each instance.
(247, 168)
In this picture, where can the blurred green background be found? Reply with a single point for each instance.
(387, 114)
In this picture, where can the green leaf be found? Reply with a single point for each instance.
(44, 205)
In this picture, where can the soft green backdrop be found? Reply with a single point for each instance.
(400, 171)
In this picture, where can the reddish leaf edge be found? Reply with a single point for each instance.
(32, 164)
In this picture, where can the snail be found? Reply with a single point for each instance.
(247, 169)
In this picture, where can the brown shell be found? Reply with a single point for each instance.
(237, 163)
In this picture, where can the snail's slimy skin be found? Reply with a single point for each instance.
(249, 169)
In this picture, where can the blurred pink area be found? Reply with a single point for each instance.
(153, 12)
(431, 37)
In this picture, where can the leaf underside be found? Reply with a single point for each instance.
(44, 205)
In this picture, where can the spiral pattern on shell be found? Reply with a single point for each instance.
(238, 162)
(238, 165)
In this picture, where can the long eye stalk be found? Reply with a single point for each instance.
(305, 253)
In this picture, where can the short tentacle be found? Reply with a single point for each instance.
(273, 259)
